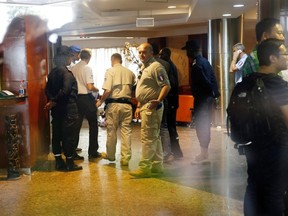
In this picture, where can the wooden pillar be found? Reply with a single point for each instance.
(25, 56)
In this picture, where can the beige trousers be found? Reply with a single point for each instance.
(119, 115)
(152, 152)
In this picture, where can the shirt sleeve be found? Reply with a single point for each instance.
(88, 74)
(107, 85)
(161, 76)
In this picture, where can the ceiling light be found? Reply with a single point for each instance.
(238, 5)
(172, 7)
(226, 15)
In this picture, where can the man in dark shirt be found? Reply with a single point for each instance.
(61, 91)
(267, 159)
(173, 102)
(204, 89)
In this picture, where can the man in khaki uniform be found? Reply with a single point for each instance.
(117, 96)
(152, 88)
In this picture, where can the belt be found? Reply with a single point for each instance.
(82, 95)
(118, 100)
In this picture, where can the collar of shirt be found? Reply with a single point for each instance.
(148, 62)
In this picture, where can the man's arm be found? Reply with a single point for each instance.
(163, 93)
(91, 87)
(103, 98)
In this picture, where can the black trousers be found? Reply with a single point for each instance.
(174, 138)
(267, 171)
(65, 126)
(87, 109)
(203, 118)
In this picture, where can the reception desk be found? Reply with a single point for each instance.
(184, 112)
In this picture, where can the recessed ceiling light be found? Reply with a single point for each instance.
(238, 5)
(226, 15)
(172, 6)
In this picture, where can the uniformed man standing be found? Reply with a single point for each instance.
(117, 88)
(151, 89)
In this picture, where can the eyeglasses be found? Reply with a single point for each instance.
(286, 53)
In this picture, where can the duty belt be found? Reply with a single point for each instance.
(118, 100)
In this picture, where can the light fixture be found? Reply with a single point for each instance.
(172, 7)
(238, 5)
(145, 22)
(226, 15)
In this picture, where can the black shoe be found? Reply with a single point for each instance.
(60, 164)
(78, 149)
(93, 156)
(71, 166)
(78, 157)
(13, 174)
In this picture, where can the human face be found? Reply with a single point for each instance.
(145, 52)
(75, 57)
(276, 32)
(283, 58)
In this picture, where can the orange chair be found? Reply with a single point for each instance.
(186, 105)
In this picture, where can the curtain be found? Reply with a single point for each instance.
(101, 61)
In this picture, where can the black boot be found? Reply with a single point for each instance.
(175, 148)
(71, 166)
(13, 174)
(60, 163)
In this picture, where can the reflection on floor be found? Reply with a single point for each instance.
(104, 188)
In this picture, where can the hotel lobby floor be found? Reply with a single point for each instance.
(105, 188)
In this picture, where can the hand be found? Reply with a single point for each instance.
(153, 104)
(49, 105)
(98, 103)
(137, 113)
(236, 55)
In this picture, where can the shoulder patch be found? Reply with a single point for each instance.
(161, 77)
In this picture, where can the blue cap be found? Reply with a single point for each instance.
(75, 49)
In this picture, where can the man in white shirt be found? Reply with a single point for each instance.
(86, 102)
(238, 60)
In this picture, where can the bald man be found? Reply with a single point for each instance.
(152, 88)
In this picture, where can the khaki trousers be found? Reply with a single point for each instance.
(119, 115)
(152, 152)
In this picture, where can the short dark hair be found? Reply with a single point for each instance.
(62, 56)
(117, 56)
(165, 53)
(265, 25)
(85, 54)
(267, 48)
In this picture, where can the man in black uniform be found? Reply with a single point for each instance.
(61, 91)
(204, 89)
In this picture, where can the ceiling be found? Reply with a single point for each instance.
(102, 16)
(94, 18)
